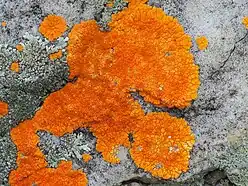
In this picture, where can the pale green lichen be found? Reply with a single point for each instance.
(235, 160)
(24, 91)
(67, 147)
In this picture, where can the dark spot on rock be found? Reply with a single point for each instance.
(36, 9)
(130, 137)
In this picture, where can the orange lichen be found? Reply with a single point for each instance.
(145, 51)
(245, 22)
(202, 42)
(3, 109)
(20, 47)
(56, 55)
(86, 157)
(63, 175)
(135, 2)
(31, 162)
(52, 27)
(135, 63)
(4, 24)
(110, 3)
(15, 66)
(167, 154)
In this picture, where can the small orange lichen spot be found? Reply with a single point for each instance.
(19, 47)
(4, 24)
(3, 108)
(137, 1)
(202, 42)
(245, 22)
(52, 27)
(56, 55)
(86, 157)
(110, 3)
(14, 66)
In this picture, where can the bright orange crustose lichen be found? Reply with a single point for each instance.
(52, 27)
(202, 42)
(135, 63)
(167, 155)
(145, 51)
(4, 24)
(15, 66)
(3, 109)
(56, 55)
(86, 157)
(20, 47)
(245, 22)
(110, 3)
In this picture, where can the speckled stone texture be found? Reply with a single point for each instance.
(219, 117)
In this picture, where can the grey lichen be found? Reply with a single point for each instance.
(235, 161)
(69, 147)
(7, 158)
(104, 17)
(25, 90)
(38, 76)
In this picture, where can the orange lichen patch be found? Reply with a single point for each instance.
(88, 50)
(15, 66)
(20, 47)
(86, 157)
(56, 55)
(86, 103)
(63, 175)
(117, 135)
(145, 51)
(124, 55)
(77, 105)
(135, 2)
(4, 24)
(110, 3)
(113, 133)
(3, 109)
(31, 162)
(245, 22)
(162, 145)
(202, 42)
(52, 27)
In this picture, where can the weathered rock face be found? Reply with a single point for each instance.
(218, 117)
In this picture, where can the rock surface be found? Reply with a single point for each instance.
(219, 117)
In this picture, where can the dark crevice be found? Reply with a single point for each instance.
(130, 137)
(217, 72)
(149, 107)
(210, 105)
(215, 177)
(134, 180)
(41, 103)
(230, 54)
(73, 80)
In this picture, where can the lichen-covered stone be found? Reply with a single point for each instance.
(221, 109)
